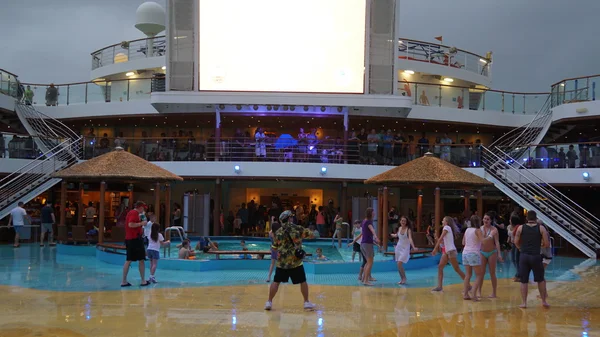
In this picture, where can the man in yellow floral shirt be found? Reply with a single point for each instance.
(287, 239)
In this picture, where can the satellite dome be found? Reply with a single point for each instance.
(150, 18)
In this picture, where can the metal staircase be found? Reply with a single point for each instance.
(36, 177)
(502, 164)
(571, 221)
(46, 131)
(60, 147)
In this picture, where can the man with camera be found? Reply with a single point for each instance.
(287, 242)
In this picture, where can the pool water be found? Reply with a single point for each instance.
(332, 253)
(44, 268)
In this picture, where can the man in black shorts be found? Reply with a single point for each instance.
(530, 238)
(134, 243)
(285, 241)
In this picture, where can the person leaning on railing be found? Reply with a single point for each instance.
(52, 95)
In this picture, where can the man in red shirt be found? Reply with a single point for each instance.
(134, 243)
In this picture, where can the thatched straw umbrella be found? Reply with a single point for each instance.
(115, 166)
(421, 172)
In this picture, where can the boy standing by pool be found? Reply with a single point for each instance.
(287, 240)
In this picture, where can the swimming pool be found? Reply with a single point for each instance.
(333, 254)
(80, 268)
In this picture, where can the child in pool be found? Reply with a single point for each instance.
(320, 255)
(185, 252)
(245, 256)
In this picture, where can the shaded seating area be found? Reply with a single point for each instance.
(120, 168)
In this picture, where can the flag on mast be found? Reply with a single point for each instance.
(439, 38)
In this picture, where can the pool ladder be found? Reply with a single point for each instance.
(180, 231)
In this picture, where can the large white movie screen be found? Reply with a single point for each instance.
(282, 45)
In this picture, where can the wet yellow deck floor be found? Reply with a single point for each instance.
(342, 311)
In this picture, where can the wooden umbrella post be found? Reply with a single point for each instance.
(385, 219)
(419, 209)
(467, 204)
(81, 206)
(63, 203)
(480, 203)
(101, 212)
(379, 211)
(167, 205)
(438, 211)
(157, 201)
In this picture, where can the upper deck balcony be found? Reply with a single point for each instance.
(434, 58)
(147, 53)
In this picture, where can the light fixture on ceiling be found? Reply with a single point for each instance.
(483, 61)
(129, 74)
(323, 170)
(409, 72)
(237, 169)
(448, 79)
(164, 68)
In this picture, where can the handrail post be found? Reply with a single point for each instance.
(128, 82)
(587, 90)
(68, 91)
(524, 103)
(86, 93)
(440, 96)
(484, 92)
(502, 101)
(416, 94)
(513, 105)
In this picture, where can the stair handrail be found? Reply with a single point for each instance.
(43, 126)
(586, 226)
(33, 172)
(512, 160)
(38, 161)
(543, 113)
(554, 207)
(534, 184)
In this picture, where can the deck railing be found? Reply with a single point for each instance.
(129, 50)
(573, 90)
(440, 54)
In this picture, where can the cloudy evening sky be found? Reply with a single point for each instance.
(535, 42)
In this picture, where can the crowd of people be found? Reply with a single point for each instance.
(486, 242)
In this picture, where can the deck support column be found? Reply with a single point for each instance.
(385, 212)
(217, 209)
(438, 212)
(101, 213)
(480, 203)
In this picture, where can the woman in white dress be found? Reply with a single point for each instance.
(403, 247)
